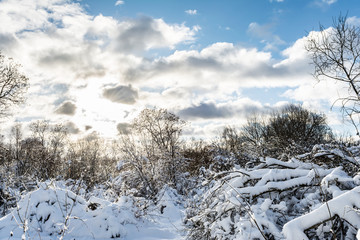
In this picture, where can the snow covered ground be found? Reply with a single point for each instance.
(305, 197)
(52, 212)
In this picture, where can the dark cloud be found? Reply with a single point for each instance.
(121, 94)
(123, 128)
(141, 32)
(67, 108)
(212, 111)
(197, 66)
(91, 70)
(7, 41)
(206, 111)
(56, 58)
(72, 128)
(93, 136)
(191, 64)
(82, 63)
(177, 92)
(88, 127)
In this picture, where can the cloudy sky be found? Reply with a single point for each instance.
(94, 65)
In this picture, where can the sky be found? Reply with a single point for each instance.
(94, 65)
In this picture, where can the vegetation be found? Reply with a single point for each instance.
(336, 55)
(254, 182)
(291, 130)
(13, 84)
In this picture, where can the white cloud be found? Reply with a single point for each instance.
(74, 49)
(259, 31)
(233, 66)
(73, 57)
(324, 3)
(147, 33)
(119, 2)
(191, 11)
(329, 2)
(276, 0)
(353, 21)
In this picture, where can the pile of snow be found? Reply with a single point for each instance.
(53, 212)
(163, 220)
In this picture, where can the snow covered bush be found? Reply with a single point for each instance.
(67, 210)
(235, 188)
(274, 197)
(51, 212)
(334, 155)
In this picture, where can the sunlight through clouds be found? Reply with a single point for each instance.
(99, 68)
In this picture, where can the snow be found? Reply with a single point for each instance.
(341, 206)
(164, 222)
(294, 199)
(281, 200)
(51, 212)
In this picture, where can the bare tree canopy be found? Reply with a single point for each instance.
(13, 84)
(336, 55)
(162, 127)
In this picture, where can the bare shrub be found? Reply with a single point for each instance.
(151, 151)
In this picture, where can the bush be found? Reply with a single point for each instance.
(290, 130)
(279, 199)
(151, 151)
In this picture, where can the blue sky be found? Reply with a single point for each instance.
(94, 65)
(229, 20)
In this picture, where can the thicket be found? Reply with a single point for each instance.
(151, 152)
(230, 184)
(290, 130)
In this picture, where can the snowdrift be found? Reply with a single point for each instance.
(52, 212)
(55, 212)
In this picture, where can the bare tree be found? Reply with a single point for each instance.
(16, 138)
(151, 151)
(88, 159)
(336, 55)
(254, 132)
(13, 84)
(162, 127)
(39, 130)
(230, 139)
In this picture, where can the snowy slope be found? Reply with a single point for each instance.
(51, 212)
